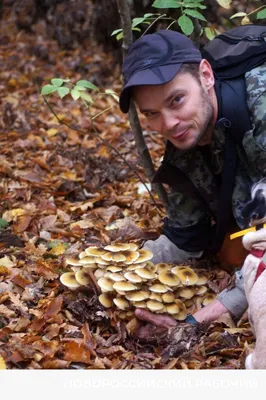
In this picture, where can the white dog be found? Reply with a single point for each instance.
(255, 274)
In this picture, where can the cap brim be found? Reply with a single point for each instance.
(152, 76)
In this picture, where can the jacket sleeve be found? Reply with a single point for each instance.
(254, 140)
(234, 299)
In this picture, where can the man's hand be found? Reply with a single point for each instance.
(157, 323)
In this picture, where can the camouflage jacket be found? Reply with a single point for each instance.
(194, 176)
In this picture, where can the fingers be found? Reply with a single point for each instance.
(149, 331)
(160, 320)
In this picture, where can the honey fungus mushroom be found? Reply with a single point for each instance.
(68, 279)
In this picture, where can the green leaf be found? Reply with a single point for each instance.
(116, 31)
(112, 93)
(148, 15)
(75, 94)
(63, 91)
(48, 89)
(195, 14)
(136, 29)
(86, 97)
(3, 224)
(120, 36)
(86, 84)
(185, 24)
(79, 88)
(224, 3)
(195, 5)
(138, 21)
(261, 14)
(239, 14)
(210, 33)
(57, 82)
(166, 4)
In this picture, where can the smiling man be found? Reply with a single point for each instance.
(175, 88)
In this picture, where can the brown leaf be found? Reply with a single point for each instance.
(76, 350)
(56, 363)
(54, 307)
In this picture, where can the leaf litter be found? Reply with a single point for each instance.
(62, 191)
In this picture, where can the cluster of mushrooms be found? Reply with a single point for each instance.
(128, 279)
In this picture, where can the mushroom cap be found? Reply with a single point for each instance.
(144, 255)
(137, 295)
(118, 247)
(186, 292)
(208, 299)
(124, 286)
(121, 303)
(156, 296)
(152, 267)
(82, 277)
(168, 297)
(139, 304)
(162, 267)
(133, 267)
(73, 261)
(182, 313)
(133, 247)
(83, 254)
(106, 256)
(131, 256)
(68, 279)
(113, 268)
(173, 308)
(158, 288)
(105, 300)
(115, 276)
(202, 280)
(90, 266)
(87, 260)
(186, 275)
(168, 278)
(145, 273)
(106, 284)
(100, 261)
(132, 277)
(200, 290)
(99, 273)
(154, 305)
(95, 251)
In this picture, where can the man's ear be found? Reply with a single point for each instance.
(206, 74)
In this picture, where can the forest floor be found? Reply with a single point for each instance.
(60, 190)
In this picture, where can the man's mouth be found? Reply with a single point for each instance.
(180, 135)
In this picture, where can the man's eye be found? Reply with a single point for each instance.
(177, 99)
(150, 114)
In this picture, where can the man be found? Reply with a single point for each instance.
(174, 88)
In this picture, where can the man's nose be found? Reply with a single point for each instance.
(169, 121)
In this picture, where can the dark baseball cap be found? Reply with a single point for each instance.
(155, 59)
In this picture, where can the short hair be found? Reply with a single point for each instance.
(190, 68)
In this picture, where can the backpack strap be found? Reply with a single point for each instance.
(234, 115)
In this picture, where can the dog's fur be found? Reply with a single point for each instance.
(255, 209)
(255, 290)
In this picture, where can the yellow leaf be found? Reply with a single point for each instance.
(52, 132)
(71, 176)
(12, 214)
(2, 363)
(224, 3)
(245, 21)
(58, 249)
(82, 224)
(6, 262)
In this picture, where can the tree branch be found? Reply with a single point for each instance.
(142, 148)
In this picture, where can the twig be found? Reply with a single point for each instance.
(107, 144)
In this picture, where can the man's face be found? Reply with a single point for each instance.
(182, 110)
